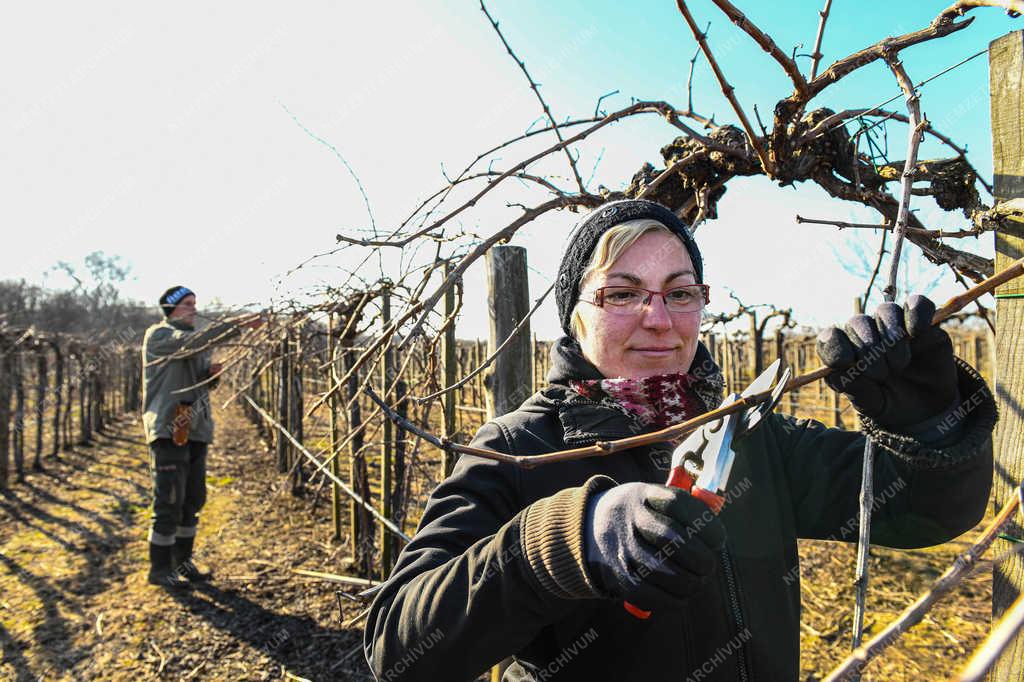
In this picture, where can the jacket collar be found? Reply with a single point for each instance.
(567, 363)
(178, 324)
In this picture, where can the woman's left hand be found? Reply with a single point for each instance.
(896, 367)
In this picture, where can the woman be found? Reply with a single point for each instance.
(536, 563)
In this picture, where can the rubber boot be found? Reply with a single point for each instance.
(183, 564)
(160, 570)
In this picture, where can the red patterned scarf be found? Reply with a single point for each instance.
(660, 400)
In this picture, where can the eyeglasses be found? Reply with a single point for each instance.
(632, 300)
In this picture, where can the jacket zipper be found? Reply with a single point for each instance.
(737, 614)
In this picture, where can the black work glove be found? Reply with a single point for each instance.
(896, 368)
(650, 544)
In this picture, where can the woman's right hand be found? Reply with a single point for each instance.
(650, 544)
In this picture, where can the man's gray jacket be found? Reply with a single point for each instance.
(163, 378)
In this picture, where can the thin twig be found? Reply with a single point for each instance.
(872, 53)
(983, 312)
(934, 234)
(999, 638)
(540, 98)
(668, 172)
(348, 167)
(689, 76)
(1013, 7)
(490, 358)
(913, 614)
(663, 108)
(816, 52)
(907, 179)
(874, 273)
(322, 467)
(727, 90)
(501, 235)
(604, 448)
(889, 292)
(765, 41)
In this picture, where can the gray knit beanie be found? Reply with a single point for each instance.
(585, 237)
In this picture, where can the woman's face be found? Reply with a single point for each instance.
(653, 341)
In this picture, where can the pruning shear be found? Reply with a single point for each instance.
(701, 464)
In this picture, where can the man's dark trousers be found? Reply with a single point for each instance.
(179, 489)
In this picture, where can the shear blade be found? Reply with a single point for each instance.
(774, 375)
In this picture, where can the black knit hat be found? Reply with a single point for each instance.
(172, 297)
(585, 237)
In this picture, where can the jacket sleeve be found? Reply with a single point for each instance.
(472, 587)
(167, 340)
(923, 494)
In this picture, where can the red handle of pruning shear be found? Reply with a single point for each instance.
(712, 445)
(678, 477)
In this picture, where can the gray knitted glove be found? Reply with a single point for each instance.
(650, 544)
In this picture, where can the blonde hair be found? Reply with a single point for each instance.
(610, 246)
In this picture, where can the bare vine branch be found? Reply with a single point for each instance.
(536, 91)
(913, 614)
(907, 180)
(497, 351)
(767, 44)
(816, 52)
(729, 91)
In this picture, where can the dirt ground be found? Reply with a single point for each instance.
(74, 603)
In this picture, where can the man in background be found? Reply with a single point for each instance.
(178, 376)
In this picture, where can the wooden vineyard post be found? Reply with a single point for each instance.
(474, 352)
(1006, 87)
(780, 344)
(69, 433)
(727, 361)
(387, 373)
(361, 522)
(18, 443)
(95, 400)
(42, 376)
(124, 367)
(979, 352)
(6, 369)
(332, 376)
(295, 405)
(536, 362)
(282, 404)
(136, 382)
(102, 402)
(273, 385)
(508, 302)
(756, 343)
(400, 471)
(58, 395)
(83, 397)
(450, 362)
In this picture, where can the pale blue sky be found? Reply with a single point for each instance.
(161, 135)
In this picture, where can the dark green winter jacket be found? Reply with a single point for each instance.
(496, 568)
